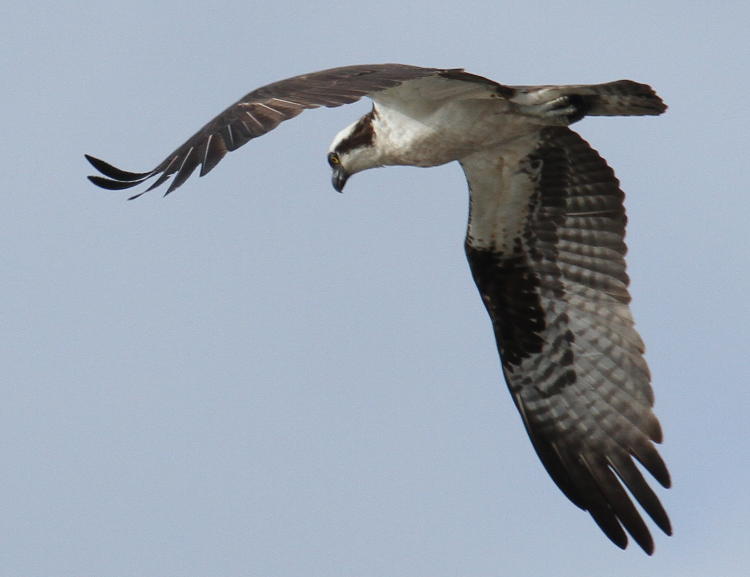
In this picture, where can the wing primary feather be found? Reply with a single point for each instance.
(112, 184)
(206, 148)
(285, 101)
(215, 151)
(258, 122)
(594, 501)
(188, 165)
(622, 506)
(649, 457)
(636, 484)
(166, 172)
(140, 194)
(116, 173)
(271, 109)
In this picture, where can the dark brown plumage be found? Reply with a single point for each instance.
(261, 111)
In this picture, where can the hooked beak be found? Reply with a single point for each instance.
(339, 178)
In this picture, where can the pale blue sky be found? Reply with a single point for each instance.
(258, 376)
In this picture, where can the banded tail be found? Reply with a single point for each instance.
(618, 98)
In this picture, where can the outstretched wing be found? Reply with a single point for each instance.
(546, 248)
(262, 110)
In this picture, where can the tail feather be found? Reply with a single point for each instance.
(574, 101)
(618, 98)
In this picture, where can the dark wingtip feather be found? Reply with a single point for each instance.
(607, 522)
(626, 470)
(113, 172)
(654, 464)
(111, 184)
(118, 179)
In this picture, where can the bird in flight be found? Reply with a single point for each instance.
(545, 244)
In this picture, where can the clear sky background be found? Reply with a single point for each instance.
(258, 376)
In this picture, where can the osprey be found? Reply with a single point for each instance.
(545, 244)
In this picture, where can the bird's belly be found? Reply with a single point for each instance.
(451, 132)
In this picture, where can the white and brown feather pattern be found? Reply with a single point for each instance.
(557, 295)
(545, 243)
(263, 109)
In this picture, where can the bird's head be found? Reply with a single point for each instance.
(353, 150)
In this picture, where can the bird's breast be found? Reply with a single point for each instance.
(433, 136)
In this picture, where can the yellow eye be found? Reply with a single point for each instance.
(333, 159)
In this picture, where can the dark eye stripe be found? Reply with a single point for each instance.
(362, 135)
